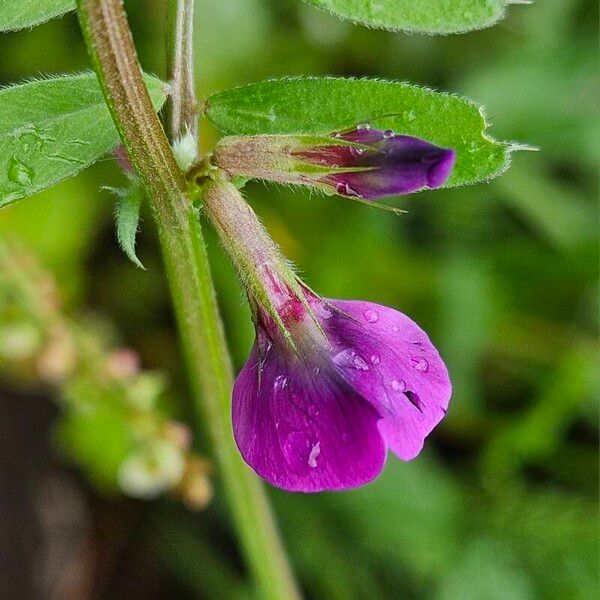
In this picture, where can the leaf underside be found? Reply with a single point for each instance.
(419, 16)
(51, 129)
(322, 105)
(18, 14)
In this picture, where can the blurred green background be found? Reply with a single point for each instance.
(502, 504)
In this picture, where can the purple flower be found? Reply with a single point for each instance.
(329, 384)
(359, 379)
(362, 163)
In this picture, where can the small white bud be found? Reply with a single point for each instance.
(185, 149)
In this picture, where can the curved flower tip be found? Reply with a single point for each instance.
(322, 417)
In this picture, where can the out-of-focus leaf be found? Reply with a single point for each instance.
(551, 100)
(411, 515)
(561, 214)
(487, 570)
(425, 16)
(324, 104)
(547, 527)
(465, 322)
(53, 128)
(127, 215)
(18, 14)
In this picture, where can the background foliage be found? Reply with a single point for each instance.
(502, 504)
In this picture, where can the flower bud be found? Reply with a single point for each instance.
(360, 163)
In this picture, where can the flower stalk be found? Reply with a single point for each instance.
(113, 55)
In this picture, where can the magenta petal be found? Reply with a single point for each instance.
(391, 363)
(302, 428)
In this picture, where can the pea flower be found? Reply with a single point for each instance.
(330, 385)
(360, 163)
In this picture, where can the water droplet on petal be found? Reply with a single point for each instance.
(345, 190)
(349, 358)
(371, 316)
(388, 133)
(375, 359)
(363, 127)
(395, 329)
(280, 383)
(414, 400)
(398, 385)
(314, 453)
(419, 363)
(19, 172)
(324, 312)
(296, 450)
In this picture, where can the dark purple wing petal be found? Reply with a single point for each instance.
(392, 363)
(399, 164)
(301, 428)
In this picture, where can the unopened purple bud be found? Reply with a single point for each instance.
(360, 163)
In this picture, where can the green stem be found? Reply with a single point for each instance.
(111, 49)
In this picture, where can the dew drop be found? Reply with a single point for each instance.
(296, 450)
(340, 188)
(388, 133)
(371, 316)
(395, 329)
(30, 141)
(398, 385)
(363, 127)
(345, 190)
(314, 453)
(19, 172)
(414, 400)
(280, 383)
(349, 358)
(419, 363)
(324, 312)
(375, 359)
(409, 115)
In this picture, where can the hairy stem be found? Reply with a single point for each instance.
(111, 49)
(182, 115)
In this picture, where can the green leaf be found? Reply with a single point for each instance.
(18, 14)
(127, 215)
(424, 16)
(53, 128)
(322, 105)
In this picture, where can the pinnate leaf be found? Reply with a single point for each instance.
(51, 129)
(18, 14)
(324, 104)
(424, 16)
